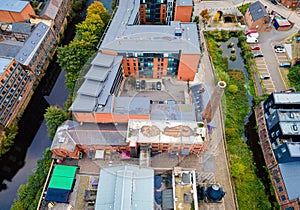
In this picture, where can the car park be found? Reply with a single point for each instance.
(285, 65)
(143, 84)
(280, 50)
(255, 47)
(257, 55)
(158, 86)
(137, 85)
(250, 32)
(265, 76)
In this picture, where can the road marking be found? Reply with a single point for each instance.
(283, 80)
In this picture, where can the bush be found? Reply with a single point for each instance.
(233, 57)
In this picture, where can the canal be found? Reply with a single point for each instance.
(250, 135)
(32, 139)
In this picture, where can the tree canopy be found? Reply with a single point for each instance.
(54, 117)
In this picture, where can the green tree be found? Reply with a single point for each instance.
(294, 77)
(54, 117)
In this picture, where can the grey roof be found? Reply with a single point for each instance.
(257, 11)
(4, 62)
(184, 3)
(90, 88)
(32, 43)
(167, 199)
(200, 97)
(13, 5)
(72, 133)
(291, 176)
(294, 148)
(124, 37)
(51, 8)
(96, 88)
(290, 128)
(19, 27)
(132, 105)
(125, 187)
(185, 112)
(105, 60)
(10, 48)
(97, 73)
(286, 98)
(84, 103)
(283, 115)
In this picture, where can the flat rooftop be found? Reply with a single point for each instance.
(124, 36)
(4, 62)
(287, 98)
(290, 128)
(185, 112)
(158, 131)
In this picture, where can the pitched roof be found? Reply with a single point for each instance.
(257, 11)
(51, 8)
(19, 27)
(291, 176)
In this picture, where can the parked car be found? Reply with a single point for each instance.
(265, 76)
(298, 39)
(256, 35)
(137, 85)
(251, 40)
(280, 50)
(278, 46)
(255, 47)
(250, 32)
(143, 84)
(158, 86)
(274, 2)
(257, 55)
(285, 65)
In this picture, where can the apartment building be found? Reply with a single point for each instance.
(15, 11)
(16, 83)
(152, 51)
(278, 120)
(165, 11)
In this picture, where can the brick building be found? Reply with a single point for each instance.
(15, 11)
(278, 121)
(257, 17)
(292, 4)
(16, 84)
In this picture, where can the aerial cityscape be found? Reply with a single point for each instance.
(150, 104)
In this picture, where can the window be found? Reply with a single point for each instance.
(283, 197)
(273, 134)
(280, 189)
(275, 171)
(277, 180)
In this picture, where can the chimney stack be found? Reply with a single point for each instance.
(214, 102)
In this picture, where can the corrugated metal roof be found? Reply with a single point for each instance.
(291, 177)
(19, 27)
(104, 60)
(32, 43)
(294, 148)
(4, 62)
(257, 11)
(125, 187)
(13, 5)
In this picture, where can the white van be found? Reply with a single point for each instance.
(256, 35)
(251, 40)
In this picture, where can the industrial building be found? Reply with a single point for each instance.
(278, 121)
